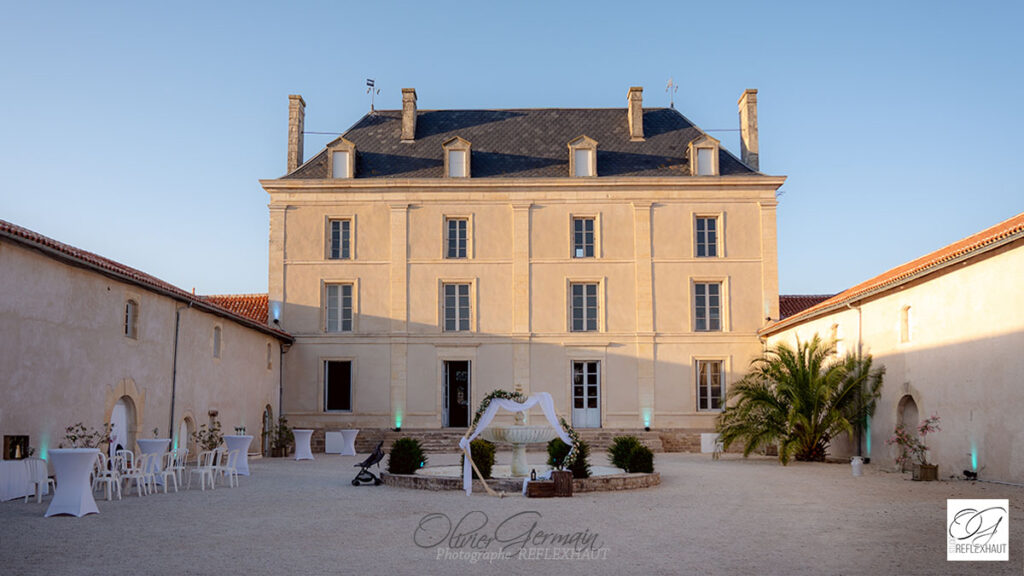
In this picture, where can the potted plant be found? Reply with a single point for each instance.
(281, 438)
(78, 436)
(914, 448)
(208, 438)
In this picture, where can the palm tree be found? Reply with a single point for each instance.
(800, 399)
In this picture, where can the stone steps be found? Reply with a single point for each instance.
(447, 441)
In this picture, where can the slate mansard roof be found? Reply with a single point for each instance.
(524, 143)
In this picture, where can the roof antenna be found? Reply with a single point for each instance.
(671, 88)
(372, 92)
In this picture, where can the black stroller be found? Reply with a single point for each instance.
(365, 475)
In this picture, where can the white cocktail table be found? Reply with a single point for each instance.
(158, 446)
(240, 443)
(74, 494)
(350, 442)
(302, 448)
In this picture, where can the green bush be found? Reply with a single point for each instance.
(406, 456)
(558, 450)
(628, 453)
(483, 456)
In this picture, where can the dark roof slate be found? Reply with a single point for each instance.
(790, 304)
(521, 143)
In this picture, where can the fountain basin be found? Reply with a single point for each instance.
(519, 434)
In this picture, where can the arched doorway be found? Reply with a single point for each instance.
(185, 430)
(268, 426)
(907, 415)
(123, 425)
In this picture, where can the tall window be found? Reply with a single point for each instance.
(216, 341)
(337, 385)
(709, 385)
(456, 237)
(584, 306)
(340, 164)
(705, 162)
(270, 357)
(707, 306)
(457, 163)
(456, 307)
(339, 308)
(340, 239)
(131, 319)
(707, 237)
(583, 237)
(583, 162)
(905, 324)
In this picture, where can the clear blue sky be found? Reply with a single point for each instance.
(139, 131)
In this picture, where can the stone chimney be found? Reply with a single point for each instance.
(408, 114)
(748, 128)
(636, 114)
(296, 126)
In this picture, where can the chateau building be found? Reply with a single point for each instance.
(619, 259)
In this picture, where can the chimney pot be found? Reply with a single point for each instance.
(636, 114)
(748, 129)
(408, 114)
(296, 126)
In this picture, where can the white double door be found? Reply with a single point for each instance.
(586, 394)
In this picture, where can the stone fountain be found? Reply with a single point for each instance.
(519, 435)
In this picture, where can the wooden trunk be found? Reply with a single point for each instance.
(563, 483)
(540, 489)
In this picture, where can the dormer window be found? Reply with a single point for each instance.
(583, 157)
(341, 158)
(456, 158)
(704, 156)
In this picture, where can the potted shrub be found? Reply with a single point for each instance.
(482, 452)
(406, 456)
(914, 448)
(208, 437)
(558, 450)
(628, 453)
(78, 436)
(281, 438)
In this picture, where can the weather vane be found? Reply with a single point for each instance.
(671, 88)
(372, 92)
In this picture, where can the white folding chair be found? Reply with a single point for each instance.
(139, 475)
(37, 472)
(229, 467)
(108, 476)
(204, 468)
(180, 457)
(167, 471)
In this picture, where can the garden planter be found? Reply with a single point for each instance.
(926, 472)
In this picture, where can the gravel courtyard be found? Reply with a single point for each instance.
(731, 516)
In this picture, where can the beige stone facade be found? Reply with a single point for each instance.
(950, 337)
(519, 269)
(65, 356)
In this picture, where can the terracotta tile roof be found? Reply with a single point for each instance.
(1004, 232)
(253, 306)
(84, 259)
(790, 304)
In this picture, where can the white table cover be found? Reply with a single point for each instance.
(334, 443)
(240, 443)
(349, 437)
(74, 494)
(16, 478)
(158, 446)
(547, 404)
(302, 447)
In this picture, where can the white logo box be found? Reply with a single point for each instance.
(977, 530)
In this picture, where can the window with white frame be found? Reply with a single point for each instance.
(131, 319)
(584, 166)
(582, 237)
(704, 162)
(583, 306)
(457, 157)
(583, 157)
(339, 308)
(707, 300)
(456, 237)
(216, 341)
(337, 385)
(457, 163)
(456, 307)
(340, 239)
(703, 154)
(707, 236)
(340, 163)
(710, 391)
